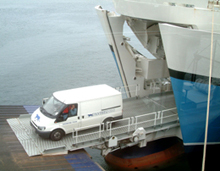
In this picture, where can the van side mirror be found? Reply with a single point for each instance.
(44, 100)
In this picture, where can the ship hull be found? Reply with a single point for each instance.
(192, 108)
(157, 154)
(188, 57)
(194, 155)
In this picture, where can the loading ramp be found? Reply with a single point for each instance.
(136, 128)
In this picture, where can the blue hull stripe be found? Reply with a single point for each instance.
(191, 101)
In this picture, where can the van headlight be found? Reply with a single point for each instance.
(41, 128)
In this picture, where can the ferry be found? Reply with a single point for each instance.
(183, 39)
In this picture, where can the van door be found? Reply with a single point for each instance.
(91, 112)
(69, 118)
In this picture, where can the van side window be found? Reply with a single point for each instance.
(72, 110)
(69, 111)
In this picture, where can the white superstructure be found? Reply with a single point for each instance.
(144, 17)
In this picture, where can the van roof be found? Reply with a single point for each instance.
(85, 93)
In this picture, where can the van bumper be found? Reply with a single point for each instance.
(43, 134)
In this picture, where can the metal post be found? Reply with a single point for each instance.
(129, 122)
(100, 129)
(161, 119)
(136, 91)
(76, 136)
(136, 120)
(132, 121)
(155, 119)
(110, 131)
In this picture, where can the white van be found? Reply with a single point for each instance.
(75, 108)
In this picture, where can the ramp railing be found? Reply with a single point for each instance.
(124, 127)
(119, 127)
(84, 137)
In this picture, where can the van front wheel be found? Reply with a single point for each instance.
(57, 135)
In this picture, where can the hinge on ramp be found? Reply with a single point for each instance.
(138, 138)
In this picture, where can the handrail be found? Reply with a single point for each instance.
(125, 125)
(76, 130)
(121, 120)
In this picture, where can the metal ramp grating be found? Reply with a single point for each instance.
(31, 142)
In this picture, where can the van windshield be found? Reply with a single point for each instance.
(53, 106)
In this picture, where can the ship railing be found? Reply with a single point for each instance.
(79, 135)
(120, 127)
(146, 120)
(168, 115)
(129, 89)
(124, 128)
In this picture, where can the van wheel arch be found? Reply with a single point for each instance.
(57, 134)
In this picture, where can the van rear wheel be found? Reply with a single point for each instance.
(57, 135)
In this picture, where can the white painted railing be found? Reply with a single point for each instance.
(125, 126)
(88, 136)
